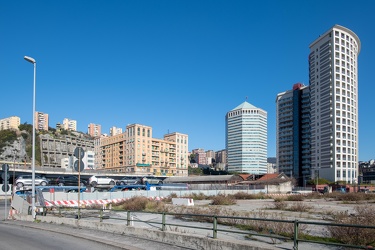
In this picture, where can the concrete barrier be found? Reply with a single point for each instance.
(183, 201)
(178, 239)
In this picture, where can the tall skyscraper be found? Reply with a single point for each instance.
(293, 156)
(246, 139)
(333, 77)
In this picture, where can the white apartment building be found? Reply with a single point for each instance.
(246, 139)
(333, 70)
(70, 124)
(41, 121)
(10, 123)
(115, 131)
(94, 130)
(182, 151)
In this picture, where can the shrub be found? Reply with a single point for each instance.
(223, 200)
(355, 236)
(245, 196)
(195, 196)
(278, 199)
(295, 197)
(280, 205)
(299, 207)
(137, 203)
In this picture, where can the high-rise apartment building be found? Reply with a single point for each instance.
(41, 121)
(181, 153)
(333, 77)
(210, 157)
(94, 130)
(221, 156)
(136, 152)
(246, 139)
(115, 131)
(69, 124)
(10, 123)
(200, 156)
(98, 151)
(293, 133)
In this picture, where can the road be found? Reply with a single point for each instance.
(19, 237)
(15, 234)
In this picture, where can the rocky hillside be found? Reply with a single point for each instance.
(16, 145)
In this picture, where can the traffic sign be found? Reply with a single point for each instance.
(81, 166)
(5, 167)
(5, 187)
(79, 152)
(5, 177)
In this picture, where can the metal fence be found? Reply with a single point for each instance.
(213, 223)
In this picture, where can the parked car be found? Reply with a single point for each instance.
(101, 180)
(151, 180)
(69, 180)
(26, 180)
(129, 181)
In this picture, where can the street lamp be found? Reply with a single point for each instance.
(32, 60)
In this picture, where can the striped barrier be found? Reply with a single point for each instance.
(74, 203)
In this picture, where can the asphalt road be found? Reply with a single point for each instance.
(14, 236)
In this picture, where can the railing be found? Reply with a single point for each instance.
(214, 222)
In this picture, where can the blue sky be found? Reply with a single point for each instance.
(177, 66)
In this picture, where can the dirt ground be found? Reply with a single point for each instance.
(318, 209)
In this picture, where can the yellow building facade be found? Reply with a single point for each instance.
(10, 123)
(136, 152)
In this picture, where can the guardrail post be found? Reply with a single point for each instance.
(215, 227)
(101, 214)
(60, 211)
(79, 213)
(128, 218)
(163, 222)
(295, 247)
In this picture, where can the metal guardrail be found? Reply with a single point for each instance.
(82, 213)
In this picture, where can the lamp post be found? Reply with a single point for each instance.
(32, 60)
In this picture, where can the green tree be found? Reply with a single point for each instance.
(26, 127)
(194, 171)
(7, 137)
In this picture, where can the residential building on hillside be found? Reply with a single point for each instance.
(210, 157)
(293, 133)
(115, 131)
(200, 156)
(333, 77)
(94, 130)
(246, 139)
(136, 152)
(69, 124)
(221, 156)
(41, 121)
(10, 123)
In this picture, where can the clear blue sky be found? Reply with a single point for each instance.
(177, 66)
